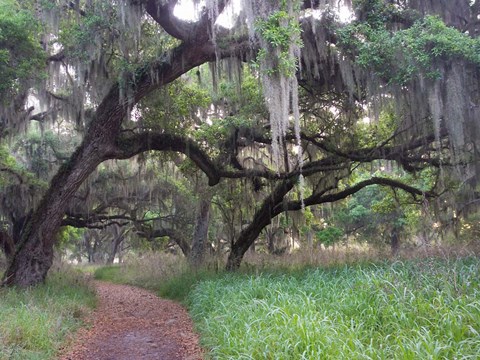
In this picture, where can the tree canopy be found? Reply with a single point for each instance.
(299, 100)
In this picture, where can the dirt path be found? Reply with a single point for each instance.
(131, 323)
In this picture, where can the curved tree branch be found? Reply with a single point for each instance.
(173, 234)
(317, 199)
(128, 146)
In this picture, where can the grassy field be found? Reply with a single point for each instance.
(34, 323)
(413, 309)
(427, 309)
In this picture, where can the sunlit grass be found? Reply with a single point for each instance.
(35, 322)
(428, 309)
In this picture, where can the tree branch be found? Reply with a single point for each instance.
(183, 30)
(173, 234)
(128, 146)
(322, 198)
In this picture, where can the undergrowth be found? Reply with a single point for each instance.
(165, 274)
(424, 309)
(34, 323)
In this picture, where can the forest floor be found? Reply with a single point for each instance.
(131, 323)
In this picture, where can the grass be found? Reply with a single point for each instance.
(165, 274)
(35, 323)
(427, 309)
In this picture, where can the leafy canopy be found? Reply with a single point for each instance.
(397, 56)
(22, 60)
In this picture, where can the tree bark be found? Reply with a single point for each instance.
(394, 242)
(263, 217)
(34, 254)
(88, 247)
(6, 244)
(200, 234)
(118, 237)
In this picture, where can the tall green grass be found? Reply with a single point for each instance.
(34, 323)
(426, 309)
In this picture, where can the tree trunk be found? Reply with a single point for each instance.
(271, 207)
(7, 244)
(88, 247)
(96, 244)
(118, 238)
(394, 242)
(200, 234)
(34, 253)
(270, 235)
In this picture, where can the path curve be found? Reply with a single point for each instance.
(131, 323)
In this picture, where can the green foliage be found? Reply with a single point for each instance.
(67, 236)
(431, 39)
(280, 30)
(81, 38)
(112, 35)
(179, 287)
(244, 99)
(416, 310)
(175, 107)
(244, 104)
(22, 59)
(469, 228)
(397, 56)
(357, 213)
(372, 133)
(375, 212)
(41, 152)
(9, 166)
(329, 235)
(35, 322)
(221, 129)
(11, 171)
(110, 273)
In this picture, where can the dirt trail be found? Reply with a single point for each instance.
(131, 323)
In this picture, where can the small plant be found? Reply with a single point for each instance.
(280, 31)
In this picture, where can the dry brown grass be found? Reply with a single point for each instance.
(340, 255)
(151, 267)
(316, 257)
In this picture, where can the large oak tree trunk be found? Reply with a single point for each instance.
(34, 254)
(271, 207)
